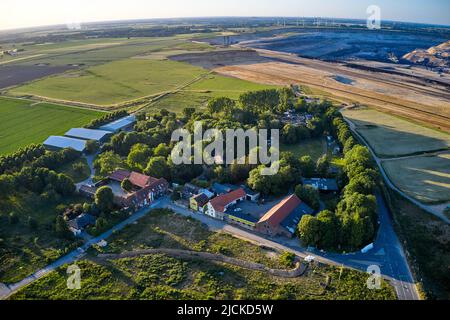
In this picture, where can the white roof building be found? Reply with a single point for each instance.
(58, 142)
(119, 125)
(88, 134)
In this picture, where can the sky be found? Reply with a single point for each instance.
(28, 13)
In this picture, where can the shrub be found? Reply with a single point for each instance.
(287, 259)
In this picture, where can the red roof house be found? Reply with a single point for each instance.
(146, 189)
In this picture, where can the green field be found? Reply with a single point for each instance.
(125, 80)
(114, 82)
(118, 71)
(198, 94)
(160, 276)
(99, 51)
(392, 136)
(425, 178)
(23, 123)
(312, 147)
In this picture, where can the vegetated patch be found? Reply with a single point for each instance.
(312, 147)
(77, 170)
(115, 82)
(425, 178)
(392, 136)
(13, 75)
(426, 242)
(199, 93)
(159, 276)
(25, 249)
(23, 122)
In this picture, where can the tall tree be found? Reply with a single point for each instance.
(104, 199)
(307, 167)
(309, 195)
(138, 156)
(157, 167)
(108, 162)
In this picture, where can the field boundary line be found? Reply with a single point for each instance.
(176, 90)
(35, 101)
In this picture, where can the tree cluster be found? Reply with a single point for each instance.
(353, 224)
(15, 161)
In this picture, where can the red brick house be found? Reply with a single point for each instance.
(145, 189)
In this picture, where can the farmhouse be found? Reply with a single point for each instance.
(122, 124)
(282, 219)
(55, 143)
(77, 225)
(100, 136)
(323, 185)
(199, 203)
(144, 191)
(218, 206)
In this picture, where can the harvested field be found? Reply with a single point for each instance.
(425, 178)
(392, 136)
(216, 59)
(12, 75)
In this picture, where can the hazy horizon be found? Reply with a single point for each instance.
(28, 13)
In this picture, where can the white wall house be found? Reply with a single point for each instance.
(219, 205)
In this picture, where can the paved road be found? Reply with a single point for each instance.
(89, 181)
(73, 256)
(388, 181)
(388, 253)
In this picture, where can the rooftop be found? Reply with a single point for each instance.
(219, 203)
(82, 221)
(292, 220)
(65, 142)
(137, 179)
(242, 216)
(119, 175)
(223, 188)
(281, 211)
(322, 184)
(201, 199)
(119, 124)
(141, 180)
(87, 134)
